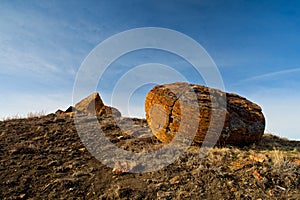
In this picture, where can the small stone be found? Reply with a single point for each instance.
(59, 112)
(257, 175)
(256, 158)
(3, 133)
(297, 162)
(82, 149)
(174, 180)
(123, 167)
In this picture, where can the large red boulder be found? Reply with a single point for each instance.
(191, 106)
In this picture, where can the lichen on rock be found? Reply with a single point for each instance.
(179, 107)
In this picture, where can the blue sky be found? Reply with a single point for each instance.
(255, 45)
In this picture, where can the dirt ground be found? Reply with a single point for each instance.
(44, 158)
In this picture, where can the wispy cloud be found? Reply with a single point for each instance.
(35, 44)
(268, 75)
(13, 60)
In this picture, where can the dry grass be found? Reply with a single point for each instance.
(12, 117)
(277, 157)
(27, 116)
(36, 114)
(43, 159)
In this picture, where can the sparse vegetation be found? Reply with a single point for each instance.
(28, 115)
(36, 114)
(44, 158)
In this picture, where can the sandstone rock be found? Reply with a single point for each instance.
(108, 110)
(70, 111)
(93, 104)
(189, 108)
(59, 112)
(123, 167)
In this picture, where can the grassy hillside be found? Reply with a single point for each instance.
(44, 158)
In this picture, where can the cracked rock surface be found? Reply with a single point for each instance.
(204, 114)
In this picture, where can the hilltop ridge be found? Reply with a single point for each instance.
(43, 157)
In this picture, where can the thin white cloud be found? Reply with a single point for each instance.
(13, 61)
(36, 43)
(269, 75)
